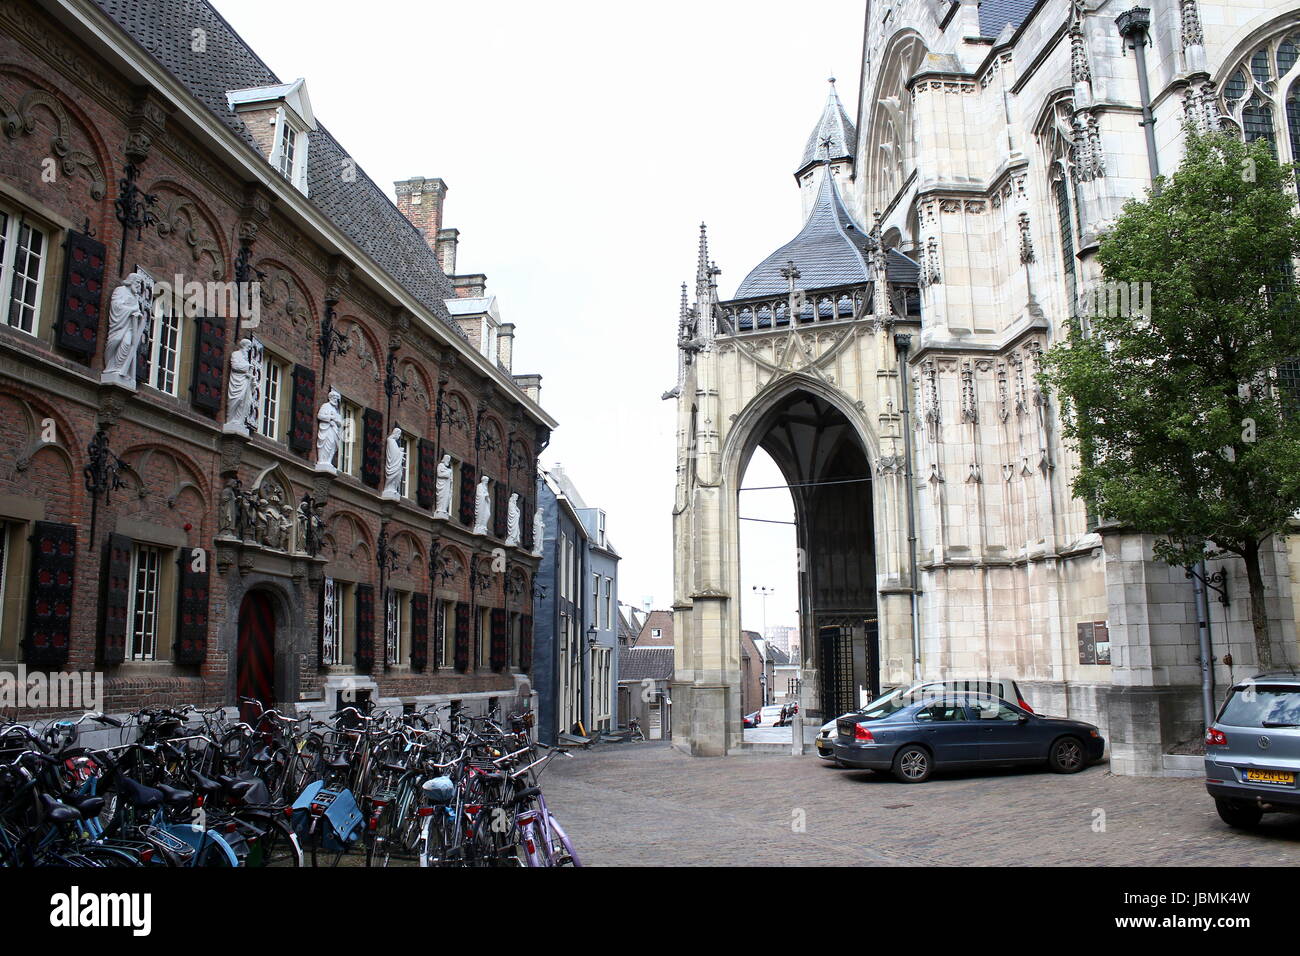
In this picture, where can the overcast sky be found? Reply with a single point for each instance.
(582, 144)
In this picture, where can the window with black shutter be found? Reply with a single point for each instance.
(500, 518)
(302, 423)
(497, 653)
(49, 605)
(426, 482)
(208, 381)
(468, 493)
(365, 598)
(526, 643)
(419, 631)
(191, 646)
(525, 523)
(115, 599)
(462, 636)
(83, 295)
(372, 448)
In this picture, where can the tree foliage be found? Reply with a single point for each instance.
(1178, 405)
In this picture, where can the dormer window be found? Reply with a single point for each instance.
(287, 137)
(279, 118)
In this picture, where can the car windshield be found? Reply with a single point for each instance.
(1261, 705)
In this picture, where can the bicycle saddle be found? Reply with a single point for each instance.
(205, 786)
(340, 762)
(57, 812)
(173, 797)
(523, 796)
(139, 795)
(89, 806)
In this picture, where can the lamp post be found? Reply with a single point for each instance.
(763, 591)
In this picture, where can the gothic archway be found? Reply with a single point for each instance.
(826, 466)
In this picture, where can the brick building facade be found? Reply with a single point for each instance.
(145, 137)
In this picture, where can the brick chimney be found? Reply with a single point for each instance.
(473, 286)
(530, 385)
(420, 201)
(448, 240)
(506, 344)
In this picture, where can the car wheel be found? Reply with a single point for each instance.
(1067, 755)
(1237, 813)
(913, 764)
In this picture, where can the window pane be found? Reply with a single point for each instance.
(144, 604)
(1236, 87)
(1286, 56)
(1067, 242)
(1259, 66)
(165, 367)
(271, 400)
(1293, 119)
(1257, 121)
(29, 259)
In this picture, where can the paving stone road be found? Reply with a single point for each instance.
(646, 804)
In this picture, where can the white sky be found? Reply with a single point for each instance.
(582, 144)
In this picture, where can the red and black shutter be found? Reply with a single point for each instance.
(302, 427)
(191, 645)
(115, 598)
(500, 519)
(462, 636)
(372, 448)
(49, 605)
(525, 523)
(209, 377)
(419, 631)
(468, 493)
(426, 484)
(83, 295)
(365, 627)
(499, 648)
(526, 643)
(144, 352)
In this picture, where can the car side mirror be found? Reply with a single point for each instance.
(1023, 719)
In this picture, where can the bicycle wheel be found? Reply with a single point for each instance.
(277, 846)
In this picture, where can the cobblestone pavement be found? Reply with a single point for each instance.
(647, 804)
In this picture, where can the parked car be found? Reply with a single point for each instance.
(912, 735)
(751, 720)
(1252, 750)
(1004, 688)
(769, 715)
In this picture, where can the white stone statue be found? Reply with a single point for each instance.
(129, 311)
(394, 465)
(329, 428)
(241, 388)
(539, 531)
(482, 507)
(512, 522)
(442, 496)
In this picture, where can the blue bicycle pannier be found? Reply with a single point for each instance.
(439, 789)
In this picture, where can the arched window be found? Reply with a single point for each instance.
(1057, 137)
(1261, 96)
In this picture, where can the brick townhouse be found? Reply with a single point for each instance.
(184, 505)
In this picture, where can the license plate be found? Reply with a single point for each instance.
(1270, 776)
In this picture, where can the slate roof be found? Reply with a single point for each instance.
(360, 209)
(995, 14)
(835, 126)
(830, 250)
(645, 663)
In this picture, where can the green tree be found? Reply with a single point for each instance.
(1182, 406)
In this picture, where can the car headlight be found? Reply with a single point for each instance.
(1094, 733)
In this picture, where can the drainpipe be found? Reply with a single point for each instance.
(1200, 596)
(903, 345)
(1133, 25)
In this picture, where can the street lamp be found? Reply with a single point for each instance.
(764, 591)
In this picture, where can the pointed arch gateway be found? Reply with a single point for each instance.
(826, 464)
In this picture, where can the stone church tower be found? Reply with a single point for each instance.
(886, 358)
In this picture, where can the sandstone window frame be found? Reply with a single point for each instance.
(345, 456)
(272, 413)
(173, 368)
(15, 219)
(289, 153)
(160, 604)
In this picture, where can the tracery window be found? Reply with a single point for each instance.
(1261, 96)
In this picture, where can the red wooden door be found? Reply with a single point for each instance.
(255, 655)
